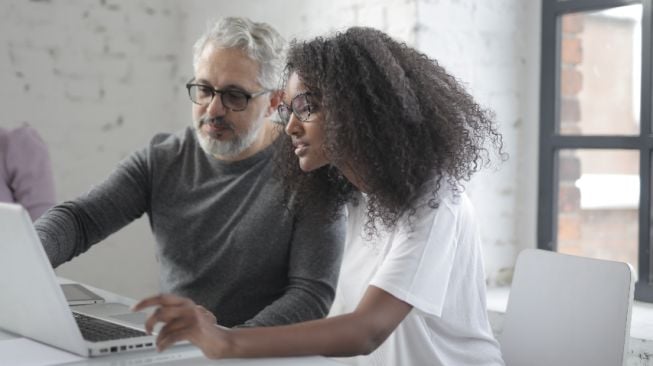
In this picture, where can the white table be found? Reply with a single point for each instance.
(179, 355)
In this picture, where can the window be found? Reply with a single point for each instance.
(596, 137)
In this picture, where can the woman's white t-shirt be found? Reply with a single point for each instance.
(433, 261)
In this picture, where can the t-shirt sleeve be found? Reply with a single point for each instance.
(418, 263)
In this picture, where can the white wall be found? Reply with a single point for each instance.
(493, 48)
(99, 78)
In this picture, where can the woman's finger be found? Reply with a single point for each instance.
(174, 326)
(206, 312)
(172, 337)
(165, 314)
(161, 300)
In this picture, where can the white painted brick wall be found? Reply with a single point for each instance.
(99, 78)
(487, 46)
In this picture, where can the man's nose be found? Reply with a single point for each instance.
(216, 108)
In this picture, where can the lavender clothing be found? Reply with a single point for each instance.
(25, 170)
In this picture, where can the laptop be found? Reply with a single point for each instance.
(33, 305)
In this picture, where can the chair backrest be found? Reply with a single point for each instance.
(565, 310)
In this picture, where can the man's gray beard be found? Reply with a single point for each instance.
(234, 147)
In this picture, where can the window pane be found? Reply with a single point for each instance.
(600, 72)
(598, 204)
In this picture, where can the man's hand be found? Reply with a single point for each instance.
(184, 320)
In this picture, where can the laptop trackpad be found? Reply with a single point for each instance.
(118, 313)
(137, 319)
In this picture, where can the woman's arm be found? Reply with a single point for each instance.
(356, 333)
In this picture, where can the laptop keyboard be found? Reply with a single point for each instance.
(96, 330)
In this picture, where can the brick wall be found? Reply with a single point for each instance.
(99, 78)
(571, 85)
(493, 48)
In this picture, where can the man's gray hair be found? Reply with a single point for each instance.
(260, 41)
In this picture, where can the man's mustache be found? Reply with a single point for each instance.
(218, 122)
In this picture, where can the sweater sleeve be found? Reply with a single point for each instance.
(315, 258)
(71, 228)
(29, 171)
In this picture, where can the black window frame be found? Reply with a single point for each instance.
(551, 142)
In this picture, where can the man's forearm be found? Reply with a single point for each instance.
(302, 301)
(60, 234)
(72, 227)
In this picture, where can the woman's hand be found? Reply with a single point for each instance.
(184, 320)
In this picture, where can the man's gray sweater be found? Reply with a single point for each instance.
(224, 237)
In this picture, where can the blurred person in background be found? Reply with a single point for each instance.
(26, 170)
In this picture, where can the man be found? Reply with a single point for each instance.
(225, 236)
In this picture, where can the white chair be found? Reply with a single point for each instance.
(565, 310)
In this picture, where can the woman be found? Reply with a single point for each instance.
(378, 126)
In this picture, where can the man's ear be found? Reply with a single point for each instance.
(275, 98)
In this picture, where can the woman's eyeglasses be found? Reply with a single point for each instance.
(300, 106)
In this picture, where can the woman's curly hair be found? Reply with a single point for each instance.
(393, 116)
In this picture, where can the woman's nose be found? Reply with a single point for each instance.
(294, 126)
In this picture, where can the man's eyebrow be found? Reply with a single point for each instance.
(234, 87)
(227, 87)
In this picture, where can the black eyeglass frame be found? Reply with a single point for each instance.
(222, 92)
(288, 109)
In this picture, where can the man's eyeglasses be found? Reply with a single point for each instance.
(235, 100)
(300, 106)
